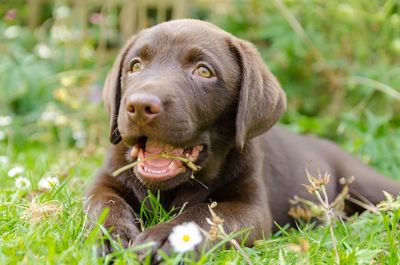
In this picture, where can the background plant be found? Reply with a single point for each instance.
(338, 61)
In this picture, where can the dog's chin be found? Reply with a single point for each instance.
(166, 182)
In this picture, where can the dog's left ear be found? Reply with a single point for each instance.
(261, 99)
(112, 92)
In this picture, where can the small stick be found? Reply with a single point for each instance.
(189, 163)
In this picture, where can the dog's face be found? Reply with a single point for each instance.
(187, 89)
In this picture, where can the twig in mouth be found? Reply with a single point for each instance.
(188, 163)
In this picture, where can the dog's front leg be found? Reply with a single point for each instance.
(120, 220)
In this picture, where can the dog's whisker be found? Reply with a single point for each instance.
(201, 183)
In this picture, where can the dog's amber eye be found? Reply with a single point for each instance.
(203, 71)
(135, 66)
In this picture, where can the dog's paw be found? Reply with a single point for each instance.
(157, 237)
(121, 234)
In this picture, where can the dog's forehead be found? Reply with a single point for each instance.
(182, 34)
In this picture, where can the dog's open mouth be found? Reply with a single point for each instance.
(159, 161)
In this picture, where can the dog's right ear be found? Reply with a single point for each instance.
(261, 98)
(112, 92)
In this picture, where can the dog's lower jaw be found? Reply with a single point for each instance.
(164, 185)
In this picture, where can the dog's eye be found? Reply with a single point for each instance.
(135, 66)
(203, 71)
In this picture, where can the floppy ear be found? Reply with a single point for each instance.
(112, 92)
(261, 99)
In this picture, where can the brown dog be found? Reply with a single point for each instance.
(190, 89)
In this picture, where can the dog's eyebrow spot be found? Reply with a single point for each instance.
(195, 54)
(145, 53)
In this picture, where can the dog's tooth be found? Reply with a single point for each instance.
(199, 148)
(135, 151)
(154, 171)
(140, 154)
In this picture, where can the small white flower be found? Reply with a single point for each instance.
(5, 120)
(68, 80)
(43, 51)
(4, 160)
(61, 33)
(79, 135)
(2, 135)
(48, 183)
(185, 237)
(62, 12)
(22, 183)
(12, 32)
(15, 171)
(61, 119)
(52, 115)
(49, 115)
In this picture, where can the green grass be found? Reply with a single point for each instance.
(60, 238)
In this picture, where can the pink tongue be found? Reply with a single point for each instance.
(154, 149)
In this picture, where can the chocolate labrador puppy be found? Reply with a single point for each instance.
(188, 89)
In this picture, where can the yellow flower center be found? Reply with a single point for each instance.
(186, 238)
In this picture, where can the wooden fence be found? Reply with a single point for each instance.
(133, 14)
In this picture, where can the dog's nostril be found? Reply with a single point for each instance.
(152, 109)
(148, 110)
(143, 106)
(130, 108)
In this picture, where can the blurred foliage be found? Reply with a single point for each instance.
(336, 41)
(339, 63)
(50, 80)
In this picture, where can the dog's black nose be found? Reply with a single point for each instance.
(143, 107)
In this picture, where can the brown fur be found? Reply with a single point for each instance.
(251, 168)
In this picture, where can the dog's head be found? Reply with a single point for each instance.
(188, 89)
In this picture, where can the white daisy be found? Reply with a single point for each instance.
(2, 135)
(4, 160)
(43, 51)
(15, 171)
(5, 120)
(22, 183)
(62, 12)
(12, 32)
(48, 183)
(185, 237)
